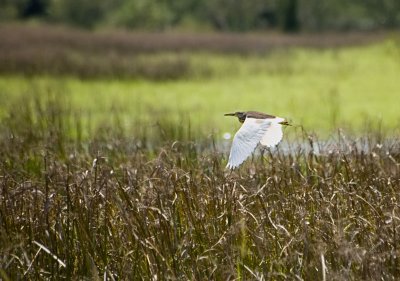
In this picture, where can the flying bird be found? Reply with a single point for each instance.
(257, 128)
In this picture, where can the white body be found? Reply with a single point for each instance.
(267, 131)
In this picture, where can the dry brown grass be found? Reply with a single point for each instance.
(113, 207)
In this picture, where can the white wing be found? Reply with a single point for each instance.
(274, 133)
(246, 140)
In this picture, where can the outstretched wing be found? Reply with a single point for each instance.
(274, 133)
(246, 140)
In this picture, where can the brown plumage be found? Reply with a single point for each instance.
(258, 115)
(251, 114)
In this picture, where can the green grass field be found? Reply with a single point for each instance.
(319, 89)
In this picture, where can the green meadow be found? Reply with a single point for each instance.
(319, 89)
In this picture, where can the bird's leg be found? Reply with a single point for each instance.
(263, 149)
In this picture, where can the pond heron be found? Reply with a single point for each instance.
(257, 128)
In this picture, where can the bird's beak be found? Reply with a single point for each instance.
(286, 123)
(229, 114)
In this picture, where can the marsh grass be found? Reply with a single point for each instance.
(126, 205)
(52, 50)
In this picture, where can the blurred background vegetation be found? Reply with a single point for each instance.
(113, 143)
(221, 15)
(197, 59)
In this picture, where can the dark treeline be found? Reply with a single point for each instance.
(221, 15)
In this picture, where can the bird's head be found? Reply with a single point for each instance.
(240, 115)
